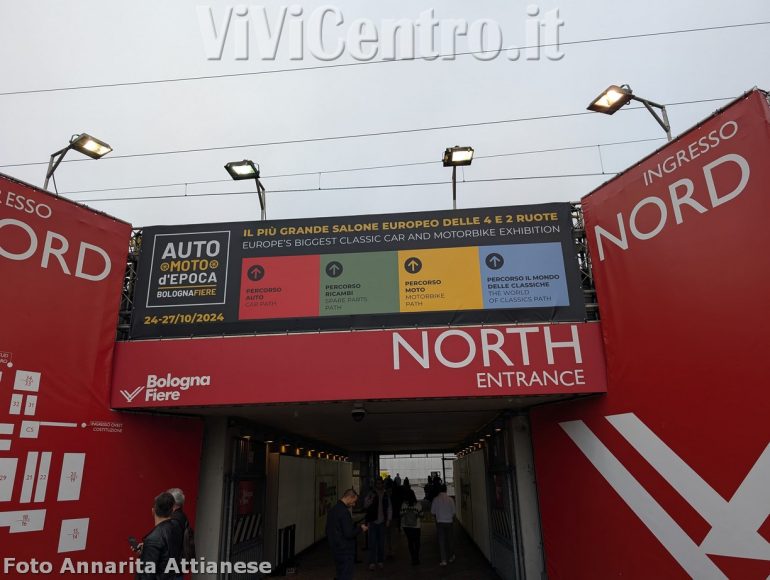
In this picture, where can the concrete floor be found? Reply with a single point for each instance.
(316, 563)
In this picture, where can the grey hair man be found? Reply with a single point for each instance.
(180, 518)
(178, 495)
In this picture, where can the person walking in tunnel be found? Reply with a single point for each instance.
(432, 487)
(342, 533)
(411, 514)
(443, 507)
(379, 513)
(397, 496)
(392, 493)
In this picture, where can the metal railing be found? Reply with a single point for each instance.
(584, 261)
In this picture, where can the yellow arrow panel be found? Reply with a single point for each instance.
(442, 279)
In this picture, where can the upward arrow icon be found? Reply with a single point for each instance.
(495, 261)
(413, 265)
(334, 269)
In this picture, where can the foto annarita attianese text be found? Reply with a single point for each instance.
(133, 566)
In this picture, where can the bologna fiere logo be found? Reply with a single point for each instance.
(166, 388)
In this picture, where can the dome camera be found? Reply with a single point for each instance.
(358, 414)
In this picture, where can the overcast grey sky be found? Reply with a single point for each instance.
(47, 44)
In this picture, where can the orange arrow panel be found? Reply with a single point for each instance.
(442, 279)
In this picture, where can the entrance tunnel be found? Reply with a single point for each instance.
(271, 473)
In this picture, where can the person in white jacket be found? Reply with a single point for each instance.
(443, 508)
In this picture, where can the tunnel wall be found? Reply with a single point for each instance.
(306, 489)
(471, 499)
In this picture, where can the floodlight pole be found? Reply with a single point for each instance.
(56, 159)
(454, 186)
(262, 197)
(651, 106)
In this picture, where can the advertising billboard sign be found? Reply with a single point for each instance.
(507, 264)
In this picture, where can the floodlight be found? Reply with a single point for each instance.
(247, 169)
(91, 146)
(85, 144)
(611, 99)
(614, 97)
(454, 157)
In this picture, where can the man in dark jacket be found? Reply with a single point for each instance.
(379, 513)
(163, 543)
(341, 534)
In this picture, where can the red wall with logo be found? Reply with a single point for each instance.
(378, 364)
(668, 475)
(76, 479)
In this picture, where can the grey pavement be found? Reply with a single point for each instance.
(470, 564)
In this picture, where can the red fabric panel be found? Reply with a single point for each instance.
(685, 313)
(76, 479)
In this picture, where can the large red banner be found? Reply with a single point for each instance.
(387, 364)
(668, 475)
(75, 478)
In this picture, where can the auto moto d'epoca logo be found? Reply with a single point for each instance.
(188, 269)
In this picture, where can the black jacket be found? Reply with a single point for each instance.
(180, 518)
(340, 530)
(374, 507)
(160, 545)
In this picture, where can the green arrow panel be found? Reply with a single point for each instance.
(365, 283)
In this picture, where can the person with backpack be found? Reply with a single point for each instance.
(180, 518)
(411, 514)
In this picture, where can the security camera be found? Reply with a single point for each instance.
(358, 414)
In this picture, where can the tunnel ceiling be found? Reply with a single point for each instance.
(389, 426)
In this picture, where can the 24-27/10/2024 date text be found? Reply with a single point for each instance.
(185, 318)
